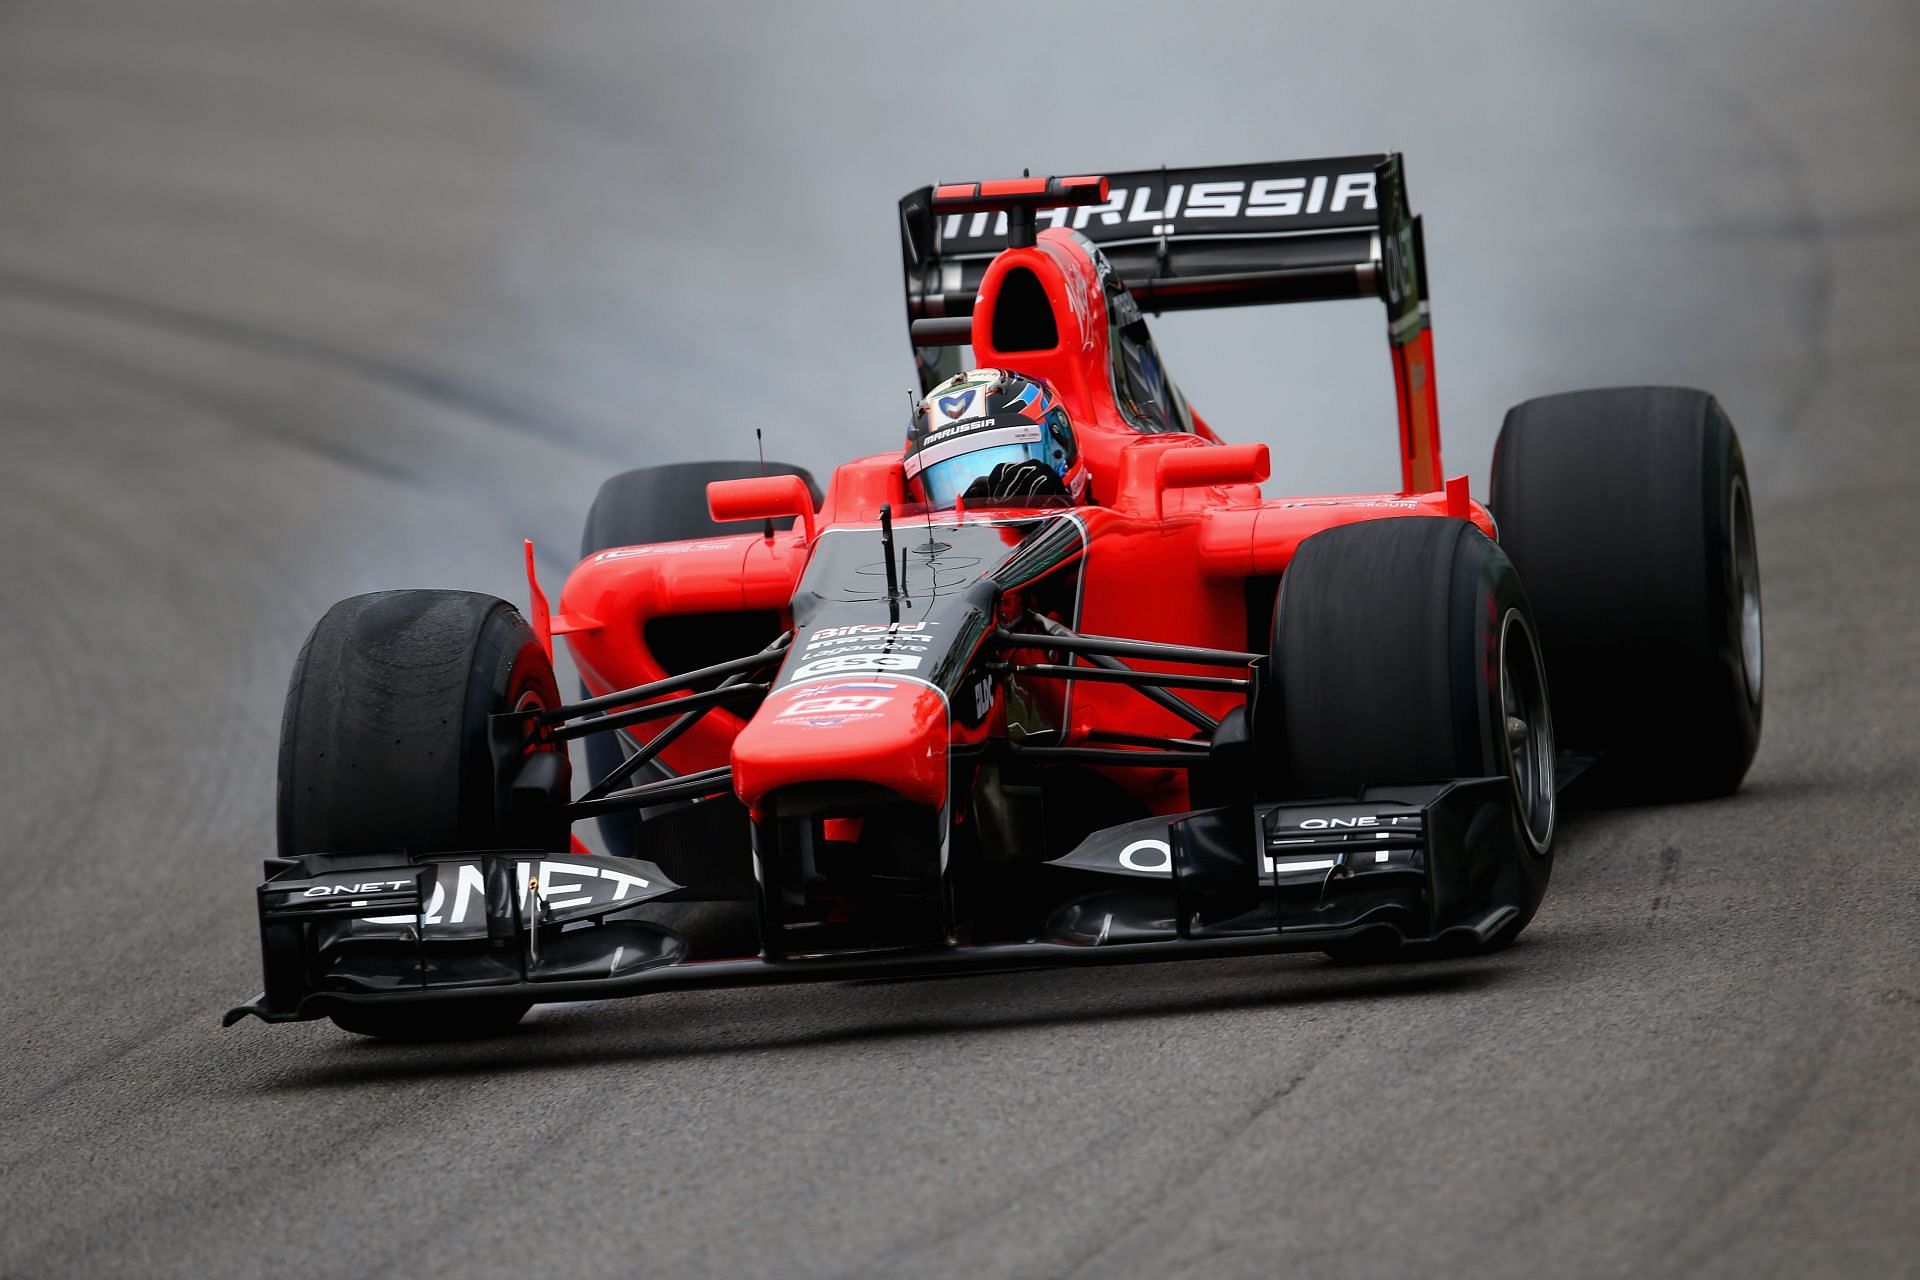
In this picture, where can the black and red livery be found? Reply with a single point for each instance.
(836, 733)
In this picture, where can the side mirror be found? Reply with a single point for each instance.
(1213, 465)
(761, 498)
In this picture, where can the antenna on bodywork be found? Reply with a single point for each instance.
(886, 554)
(926, 508)
(760, 445)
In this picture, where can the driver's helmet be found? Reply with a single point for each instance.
(980, 419)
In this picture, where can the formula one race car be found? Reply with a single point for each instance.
(1101, 703)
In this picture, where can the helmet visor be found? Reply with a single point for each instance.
(946, 469)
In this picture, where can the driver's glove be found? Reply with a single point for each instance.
(1024, 479)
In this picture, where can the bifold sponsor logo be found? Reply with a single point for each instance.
(866, 629)
(1158, 207)
(555, 880)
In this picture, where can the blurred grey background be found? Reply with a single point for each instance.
(304, 299)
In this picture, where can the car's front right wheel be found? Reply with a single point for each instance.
(383, 748)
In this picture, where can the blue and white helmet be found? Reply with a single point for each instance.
(976, 420)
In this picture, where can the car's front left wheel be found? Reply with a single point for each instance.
(1404, 652)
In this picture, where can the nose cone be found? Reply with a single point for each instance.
(891, 733)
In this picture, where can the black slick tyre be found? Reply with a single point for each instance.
(1404, 652)
(383, 746)
(1628, 513)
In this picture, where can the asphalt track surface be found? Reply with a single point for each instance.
(300, 300)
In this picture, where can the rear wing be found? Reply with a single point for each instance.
(1188, 239)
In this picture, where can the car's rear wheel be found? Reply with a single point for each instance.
(669, 504)
(1404, 652)
(384, 746)
(1628, 514)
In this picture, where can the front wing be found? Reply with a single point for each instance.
(1413, 864)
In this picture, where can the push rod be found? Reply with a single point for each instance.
(671, 684)
(1114, 647)
(658, 711)
(690, 787)
(1110, 756)
(1127, 675)
(1159, 697)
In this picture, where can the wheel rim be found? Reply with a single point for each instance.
(1746, 572)
(1526, 723)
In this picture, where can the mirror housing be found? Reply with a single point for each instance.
(761, 498)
